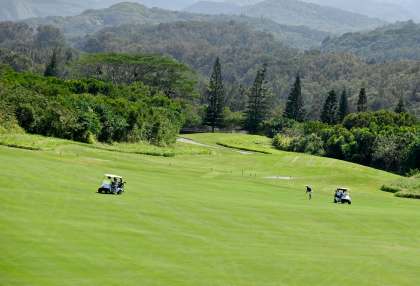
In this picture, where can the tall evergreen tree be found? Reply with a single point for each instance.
(400, 108)
(362, 102)
(257, 102)
(329, 112)
(52, 67)
(343, 109)
(216, 98)
(294, 106)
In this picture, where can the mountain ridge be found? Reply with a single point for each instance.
(295, 12)
(92, 21)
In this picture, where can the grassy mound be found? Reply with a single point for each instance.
(405, 187)
(36, 142)
(198, 220)
(244, 142)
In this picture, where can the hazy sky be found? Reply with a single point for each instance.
(390, 10)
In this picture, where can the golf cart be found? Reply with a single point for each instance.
(342, 196)
(112, 184)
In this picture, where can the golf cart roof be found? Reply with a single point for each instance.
(342, 189)
(112, 176)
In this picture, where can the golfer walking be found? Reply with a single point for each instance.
(309, 192)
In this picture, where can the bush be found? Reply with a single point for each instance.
(232, 120)
(278, 125)
(282, 142)
(338, 142)
(415, 173)
(412, 160)
(377, 120)
(311, 144)
(8, 122)
(408, 195)
(382, 139)
(390, 189)
(405, 188)
(25, 115)
(58, 108)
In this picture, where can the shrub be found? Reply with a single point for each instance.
(59, 108)
(390, 189)
(232, 120)
(278, 125)
(283, 143)
(382, 139)
(8, 122)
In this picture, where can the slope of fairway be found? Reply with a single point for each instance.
(212, 219)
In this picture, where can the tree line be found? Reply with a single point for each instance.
(87, 109)
(388, 140)
(334, 109)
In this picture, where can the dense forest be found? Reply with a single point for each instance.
(243, 50)
(26, 48)
(398, 41)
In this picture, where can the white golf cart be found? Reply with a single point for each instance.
(342, 196)
(112, 184)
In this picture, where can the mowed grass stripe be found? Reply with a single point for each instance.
(176, 225)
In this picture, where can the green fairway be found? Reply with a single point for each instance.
(207, 216)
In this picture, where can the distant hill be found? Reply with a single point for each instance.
(294, 12)
(379, 9)
(195, 43)
(22, 9)
(13, 10)
(214, 8)
(390, 10)
(399, 41)
(93, 21)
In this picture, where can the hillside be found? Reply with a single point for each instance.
(22, 9)
(13, 10)
(196, 219)
(135, 14)
(293, 12)
(214, 8)
(399, 41)
(385, 10)
(243, 50)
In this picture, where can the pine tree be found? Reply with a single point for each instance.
(294, 106)
(343, 109)
(400, 108)
(257, 102)
(216, 97)
(52, 67)
(329, 112)
(362, 103)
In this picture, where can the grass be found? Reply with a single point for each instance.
(244, 142)
(404, 187)
(36, 142)
(212, 219)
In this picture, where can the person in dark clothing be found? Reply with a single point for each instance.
(114, 185)
(309, 192)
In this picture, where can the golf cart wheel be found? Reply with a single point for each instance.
(100, 191)
(349, 202)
